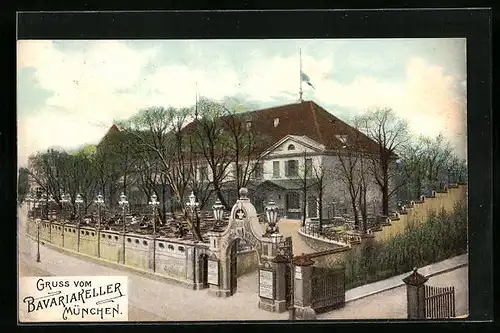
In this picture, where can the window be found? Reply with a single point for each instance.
(291, 147)
(203, 171)
(291, 169)
(258, 171)
(276, 169)
(308, 166)
(343, 139)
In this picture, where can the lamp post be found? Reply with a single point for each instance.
(218, 209)
(99, 202)
(193, 207)
(123, 204)
(65, 199)
(78, 201)
(42, 203)
(51, 203)
(38, 222)
(272, 217)
(154, 205)
(29, 200)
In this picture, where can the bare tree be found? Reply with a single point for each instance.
(390, 133)
(353, 171)
(160, 130)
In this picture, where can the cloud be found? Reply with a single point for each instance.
(105, 80)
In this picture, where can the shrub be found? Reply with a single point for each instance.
(443, 236)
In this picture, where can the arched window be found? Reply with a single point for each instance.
(291, 147)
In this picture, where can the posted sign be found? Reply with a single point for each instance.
(73, 298)
(213, 272)
(266, 284)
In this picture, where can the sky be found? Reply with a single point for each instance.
(69, 92)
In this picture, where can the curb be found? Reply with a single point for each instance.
(397, 285)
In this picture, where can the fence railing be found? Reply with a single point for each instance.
(338, 237)
(439, 302)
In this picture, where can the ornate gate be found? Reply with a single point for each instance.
(328, 288)
(439, 302)
(285, 249)
(233, 263)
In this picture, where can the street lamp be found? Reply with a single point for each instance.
(38, 222)
(218, 209)
(124, 204)
(66, 199)
(78, 202)
(51, 202)
(41, 203)
(154, 205)
(193, 206)
(29, 199)
(272, 217)
(99, 202)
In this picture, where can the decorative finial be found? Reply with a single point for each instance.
(243, 193)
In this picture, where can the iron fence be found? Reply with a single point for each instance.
(439, 302)
(328, 288)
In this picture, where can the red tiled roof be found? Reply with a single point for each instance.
(306, 118)
(111, 130)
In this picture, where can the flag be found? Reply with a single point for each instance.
(305, 78)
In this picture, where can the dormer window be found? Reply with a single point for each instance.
(343, 139)
(249, 125)
(291, 147)
(276, 122)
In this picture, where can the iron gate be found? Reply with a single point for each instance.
(439, 302)
(285, 249)
(328, 288)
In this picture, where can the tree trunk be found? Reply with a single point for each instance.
(320, 208)
(385, 201)
(355, 212)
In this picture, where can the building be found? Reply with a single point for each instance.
(304, 146)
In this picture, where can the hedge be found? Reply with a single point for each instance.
(443, 236)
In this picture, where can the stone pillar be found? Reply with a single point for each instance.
(274, 302)
(302, 292)
(415, 294)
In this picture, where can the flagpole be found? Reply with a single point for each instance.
(196, 103)
(300, 75)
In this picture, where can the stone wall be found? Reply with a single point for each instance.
(329, 253)
(420, 212)
(170, 258)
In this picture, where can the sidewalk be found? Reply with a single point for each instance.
(397, 281)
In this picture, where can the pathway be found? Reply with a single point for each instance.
(290, 228)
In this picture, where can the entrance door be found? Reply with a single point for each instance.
(312, 207)
(233, 267)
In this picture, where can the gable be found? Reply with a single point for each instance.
(292, 145)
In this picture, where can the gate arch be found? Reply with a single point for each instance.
(243, 225)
